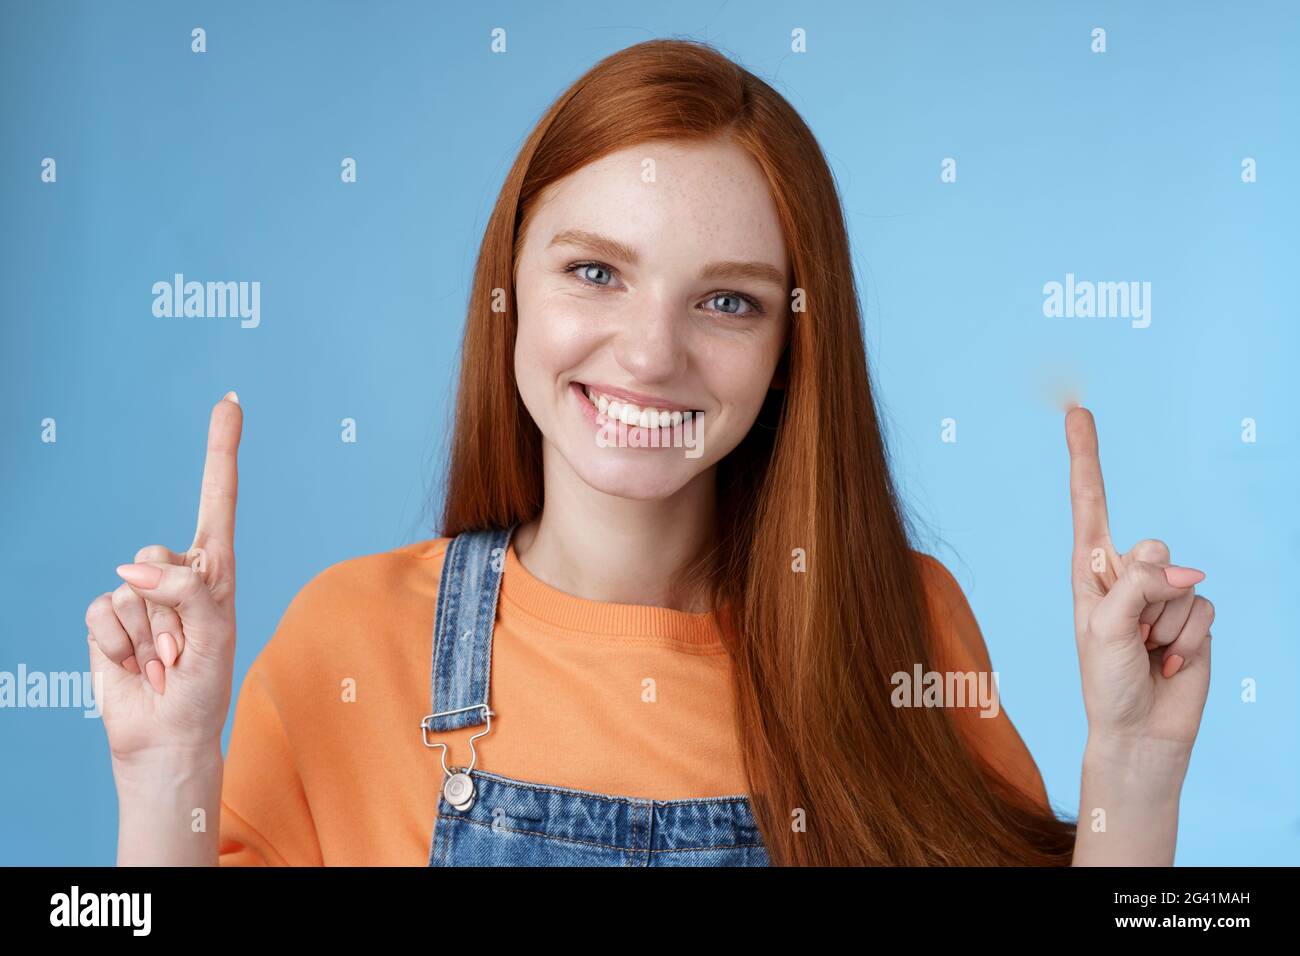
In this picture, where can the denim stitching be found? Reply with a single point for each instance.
(452, 601)
(609, 798)
(605, 846)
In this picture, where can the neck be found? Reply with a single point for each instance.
(619, 550)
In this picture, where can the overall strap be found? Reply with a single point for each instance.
(462, 628)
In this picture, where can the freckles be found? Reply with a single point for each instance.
(741, 377)
(574, 322)
(559, 335)
(733, 375)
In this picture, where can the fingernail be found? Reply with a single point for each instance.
(1172, 663)
(230, 397)
(154, 671)
(141, 575)
(132, 664)
(1183, 577)
(1144, 631)
(166, 645)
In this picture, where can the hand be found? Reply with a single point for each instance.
(164, 642)
(1142, 633)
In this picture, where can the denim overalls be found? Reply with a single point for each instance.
(485, 819)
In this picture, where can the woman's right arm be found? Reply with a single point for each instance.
(169, 808)
(163, 647)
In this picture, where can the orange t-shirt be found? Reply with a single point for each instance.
(327, 765)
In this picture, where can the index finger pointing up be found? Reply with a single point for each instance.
(1087, 491)
(220, 473)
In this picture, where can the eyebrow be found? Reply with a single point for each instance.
(613, 249)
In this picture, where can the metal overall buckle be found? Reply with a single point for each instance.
(458, 788)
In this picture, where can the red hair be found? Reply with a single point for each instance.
(812, 653)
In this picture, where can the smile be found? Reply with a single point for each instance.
(629, 413)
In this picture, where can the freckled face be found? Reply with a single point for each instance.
(660, 296)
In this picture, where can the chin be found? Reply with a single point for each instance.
(633, 479)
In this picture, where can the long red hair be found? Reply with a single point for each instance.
(813, 653)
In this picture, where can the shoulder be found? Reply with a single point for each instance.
(955, 626)
(941, 588)
(353, 606)
(961, 648)
(384, 576)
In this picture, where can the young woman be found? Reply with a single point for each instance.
(684, 654)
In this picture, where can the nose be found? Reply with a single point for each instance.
(652, 347)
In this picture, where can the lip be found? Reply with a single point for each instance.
(639, 439)
(640, 399)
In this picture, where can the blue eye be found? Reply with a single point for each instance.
(737, 301)
(581, 268)
(599, 274)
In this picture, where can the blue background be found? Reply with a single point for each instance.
(1116, 166)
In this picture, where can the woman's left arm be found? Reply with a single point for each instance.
(1143, 637)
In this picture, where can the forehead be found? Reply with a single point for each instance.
(695, 198)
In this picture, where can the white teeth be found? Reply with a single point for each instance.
(632, 415)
